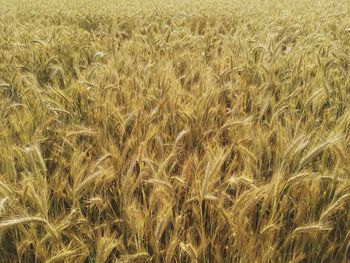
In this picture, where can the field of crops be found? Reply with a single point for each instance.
(174, 131)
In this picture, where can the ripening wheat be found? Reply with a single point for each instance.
(174, 131)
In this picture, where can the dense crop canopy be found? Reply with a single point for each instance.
(174, 131)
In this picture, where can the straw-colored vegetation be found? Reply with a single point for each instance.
(174, 131)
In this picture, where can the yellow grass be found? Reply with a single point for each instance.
(174, 131)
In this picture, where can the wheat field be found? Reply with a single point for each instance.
(174, 131)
